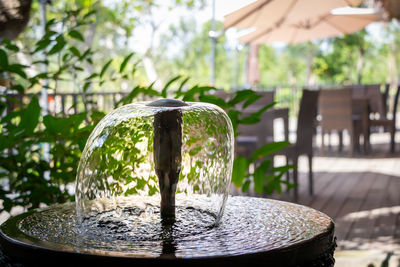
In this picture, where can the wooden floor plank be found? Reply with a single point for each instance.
(362, 227)
(361, 194)
(396, 234)
(352, 204)
(322, 180)
(325, 196)
(333, 207)
(385, 226)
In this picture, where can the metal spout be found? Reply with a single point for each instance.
(167, 144)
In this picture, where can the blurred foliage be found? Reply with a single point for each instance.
(27, 177)
(360, 58)
(194, 58)
(116, 28)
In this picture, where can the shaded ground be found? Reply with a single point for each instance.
(362, 195)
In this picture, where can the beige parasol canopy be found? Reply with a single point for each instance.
(328, 25)
(269, 13)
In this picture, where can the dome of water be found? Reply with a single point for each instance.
(151, 162)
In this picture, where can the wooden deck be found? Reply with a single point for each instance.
(362, 195)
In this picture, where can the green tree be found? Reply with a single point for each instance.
(187, 50)
(345, 60)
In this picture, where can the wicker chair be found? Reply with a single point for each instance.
(304, 136)
(388, 124)
(335, 106)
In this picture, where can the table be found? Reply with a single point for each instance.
(253, 231)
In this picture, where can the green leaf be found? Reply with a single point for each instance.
(18, 87)
(10, 46)
(17, 69)
(60, 43)
(85, 54)
(240, 166)
(93, 75)
(75, 34)
(234, 116)
(179, 91)
(241, 96)
(260, 176)
(63, 126)
(46, 62)
(75, 51)
(125, 62)
(246, 186)
(195, 150)
(42, 44)
(42, 75)
(213, 100)
(252, 119)
(49, 34)
(105, 67)
(66, 57)
(268, 149)
(251, 100)
(264, 166)
(190, 94)
(49, 23)
(78, 68)
(130, 191)
(283, 169)
(255, 117)
(86, 86)
(30, 116)
(164, 90)
(3, 59)
(89, 13)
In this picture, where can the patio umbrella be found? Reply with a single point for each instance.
(392, 7)
(269, 13)
(253, 72)
(334, 23)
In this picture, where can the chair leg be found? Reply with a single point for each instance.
(392, 138)
(352, 142)
(365, 143)
(288, 172)
(295, 181)
(340, 133)
(322, 142)
(367, 139)
(310, 175)
(356, 140)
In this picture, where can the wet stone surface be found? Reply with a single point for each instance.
(249, 225)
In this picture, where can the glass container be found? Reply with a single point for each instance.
(149, 164)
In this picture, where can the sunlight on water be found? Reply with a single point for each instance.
(249, 225)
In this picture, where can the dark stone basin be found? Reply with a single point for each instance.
(252, 231)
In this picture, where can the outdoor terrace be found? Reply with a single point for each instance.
(361, 194)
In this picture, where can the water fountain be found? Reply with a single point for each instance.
(151, 189)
